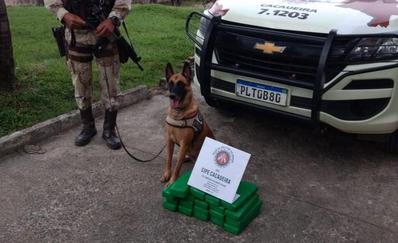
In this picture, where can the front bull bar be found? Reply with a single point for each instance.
(207, 49)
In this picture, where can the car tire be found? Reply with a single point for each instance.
(392, 143)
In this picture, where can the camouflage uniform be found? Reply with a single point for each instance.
(80, 44)
(80, 57)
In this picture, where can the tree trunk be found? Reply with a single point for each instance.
(7, 66)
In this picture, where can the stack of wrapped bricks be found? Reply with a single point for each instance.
(179, 197)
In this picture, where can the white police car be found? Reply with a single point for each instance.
(332, 62)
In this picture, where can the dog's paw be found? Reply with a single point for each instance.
(171, 181)
(188, 159)
(166, 177)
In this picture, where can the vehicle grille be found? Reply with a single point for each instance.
(298, 62)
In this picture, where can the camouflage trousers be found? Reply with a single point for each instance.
(80, 56)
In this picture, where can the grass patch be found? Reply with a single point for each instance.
(44, 88)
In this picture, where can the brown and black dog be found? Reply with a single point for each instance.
(184, 124)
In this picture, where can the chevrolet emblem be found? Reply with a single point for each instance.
(270, 48)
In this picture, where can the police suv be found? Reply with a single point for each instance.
(332, 62)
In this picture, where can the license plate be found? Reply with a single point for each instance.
(262, 92)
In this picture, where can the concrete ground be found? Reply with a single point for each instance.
(316, 187)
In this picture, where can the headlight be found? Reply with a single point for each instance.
(374, 49)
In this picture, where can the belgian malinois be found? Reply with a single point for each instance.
(184, 124)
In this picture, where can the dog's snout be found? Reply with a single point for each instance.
(172, 96)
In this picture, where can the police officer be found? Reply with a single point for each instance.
(84, 28)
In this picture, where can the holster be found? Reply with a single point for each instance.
(59, 35)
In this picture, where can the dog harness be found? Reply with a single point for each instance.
(196, 122)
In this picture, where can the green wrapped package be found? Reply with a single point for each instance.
(236, 227)
(217, 220)
(233, 218)
(200, 213)
(218, 209)
(198, 193)
(166, 193)
(213, 201)
(242, 211)
(186, 203)
(232, 229)
(201, 204)
(217, 214)
(253, 212)
(170, 206)
(180, 187)
(245, 190)
(189, 197)
(185, 210)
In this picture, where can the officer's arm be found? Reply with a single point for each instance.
(120, 9)
(57, 7)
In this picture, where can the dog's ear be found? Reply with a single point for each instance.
(169, 71)
(187, 71)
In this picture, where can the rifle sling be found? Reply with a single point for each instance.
(127, 33)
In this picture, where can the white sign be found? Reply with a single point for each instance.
(219, 170)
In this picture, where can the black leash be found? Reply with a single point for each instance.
(118, 133)
(132, 155)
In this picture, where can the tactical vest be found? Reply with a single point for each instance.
(88, 9)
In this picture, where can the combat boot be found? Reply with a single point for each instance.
(88, 130)
(109, 134)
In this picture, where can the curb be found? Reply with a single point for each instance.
(63, 122)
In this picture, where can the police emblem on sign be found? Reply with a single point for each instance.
(223, 156)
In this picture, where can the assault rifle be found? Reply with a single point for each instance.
(126, 49)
